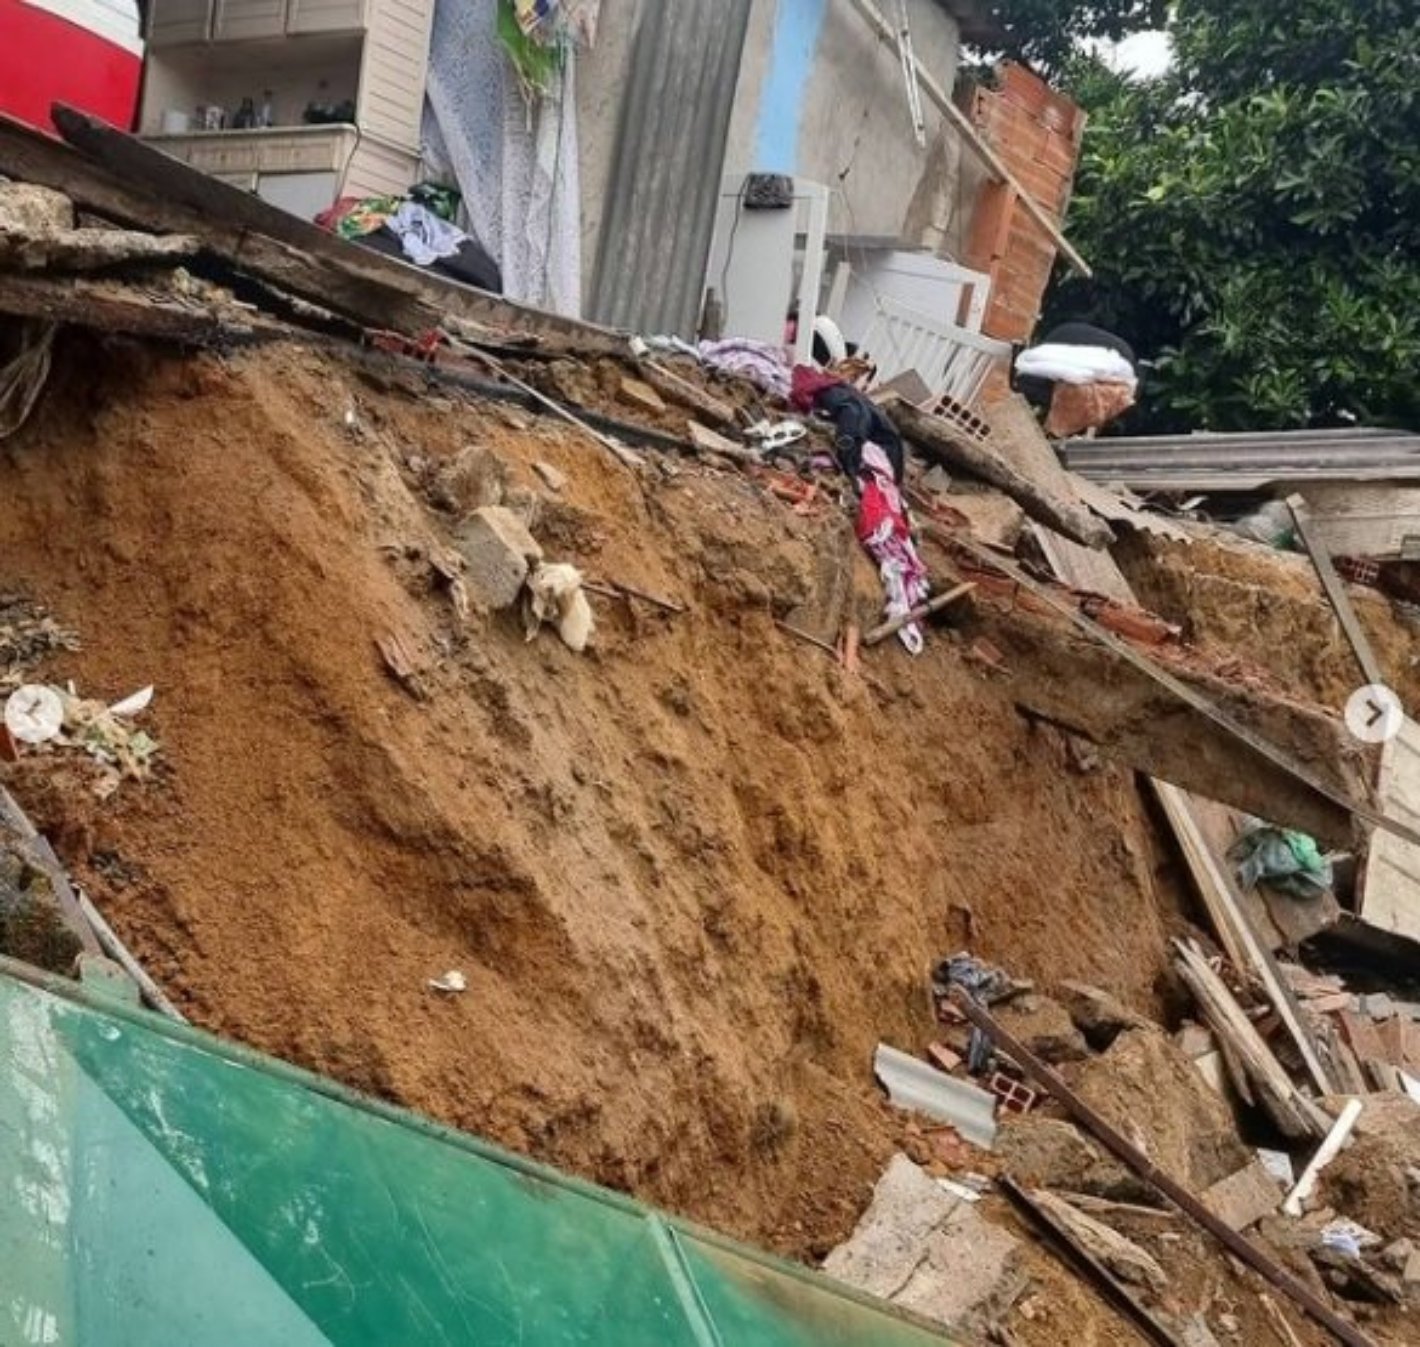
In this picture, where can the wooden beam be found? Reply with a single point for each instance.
(1219, 892)
(337, 277)
(923, 610)
(941, 442)
(1135, 1160)
(973, 138)
(1111, 1288)
(1335, 591)
(1296, 1115)
(108, 306)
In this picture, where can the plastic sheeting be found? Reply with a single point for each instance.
(162, 1188)
(515, 162)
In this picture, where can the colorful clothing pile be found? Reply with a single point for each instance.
(352, 217)
(761, 362)
(886, 535)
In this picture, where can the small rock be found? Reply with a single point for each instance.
(1229, 1324)
(1396, 1255)
(634, 390)
(1044, 1026)
(498, 551)
(553, 478)
(477, 477)
(1098, 1015)
(937, 479)
(28, 209)
(1411, 1275)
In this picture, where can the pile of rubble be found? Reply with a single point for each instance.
(677, 818)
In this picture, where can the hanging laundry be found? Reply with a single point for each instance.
(532, 14)
(558, 20)
(886, 535)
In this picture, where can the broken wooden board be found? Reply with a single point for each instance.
(1335, 591)
(942, 442)
(1390, 882)
(1021, 442)
(1221, 895)
(109, 306)
(705, 404)
(1052, 1219)
(1086, 687)
(1249, 1058)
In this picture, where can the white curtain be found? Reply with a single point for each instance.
(515, 162)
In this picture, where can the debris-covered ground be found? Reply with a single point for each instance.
(691, 877)
(685, 881)
(409, 728)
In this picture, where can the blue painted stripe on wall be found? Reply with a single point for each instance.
(781, 104)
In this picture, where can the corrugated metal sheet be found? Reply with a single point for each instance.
(1246, 462)
(675, 118)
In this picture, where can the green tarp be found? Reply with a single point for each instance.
(162, 1188)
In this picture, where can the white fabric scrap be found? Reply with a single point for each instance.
(554, 594)
(424, 237)
(1061, 363)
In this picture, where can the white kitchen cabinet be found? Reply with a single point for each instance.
(242, 20)
(325, 16)
(372, 55)
(173, 22)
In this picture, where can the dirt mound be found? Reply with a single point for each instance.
(692, 877)
(1240, 598)
(1146, 1088)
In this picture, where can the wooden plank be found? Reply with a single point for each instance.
(107, 306)
(923, 610)
(1018, 438)
(942, 442)
(1390, 884)
(1335, 591)
(942, 100)
(1135, 1160)
(150, 171)
(1110, 1287)
(1219, 892)
(1296, 1115)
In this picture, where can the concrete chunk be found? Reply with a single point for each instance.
(924, 1250)
(1244, 1198)
(498, 551)
(28, 209)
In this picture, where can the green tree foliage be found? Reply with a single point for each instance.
(1046, 34)
(1254, 217)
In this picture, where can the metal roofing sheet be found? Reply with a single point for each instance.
(1246, 461)
(675, 119)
